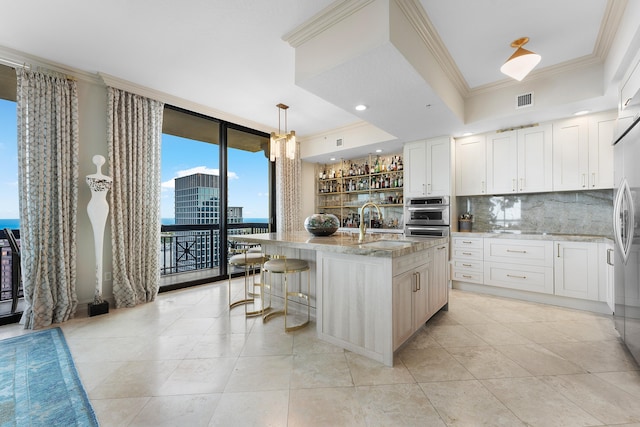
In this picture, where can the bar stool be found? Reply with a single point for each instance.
(280, 264)
(250, 261)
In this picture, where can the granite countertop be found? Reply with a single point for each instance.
(517, 234)
(389, 245)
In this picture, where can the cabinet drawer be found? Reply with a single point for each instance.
(467, 276)
(522, 277)
(409, 262)
(524, 252)
(462, 254)
(468, 242)
(468, 265)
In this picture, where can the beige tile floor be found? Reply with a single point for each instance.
(185, 360)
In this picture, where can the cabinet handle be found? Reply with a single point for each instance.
(423, 189)
(428, 188)
(414, 285)
(609, 252)
(593, 176)
(466, 242)
(466, 265)
(442, 247)
(558, 250)
(513, 184)
(583, 177)
(482, 187)
(516, 252)
(521, 183)
(467, 277)
(467, 253)
(516, 277)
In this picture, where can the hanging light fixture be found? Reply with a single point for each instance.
(286, 139)
(521, 62)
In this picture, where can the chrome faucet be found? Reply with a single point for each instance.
(363, 226)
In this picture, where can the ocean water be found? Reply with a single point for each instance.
(12, 223)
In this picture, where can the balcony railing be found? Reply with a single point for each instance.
(189, 248)
(11, 291)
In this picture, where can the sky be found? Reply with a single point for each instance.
(248, 172)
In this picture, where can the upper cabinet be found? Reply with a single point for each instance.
(582, 152)
(471, 166)
(520, 161)
(428, 171)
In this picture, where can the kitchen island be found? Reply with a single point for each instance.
(368, 297)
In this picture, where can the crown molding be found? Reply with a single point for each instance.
(417, 16)
(608, 27)
(17, 59)
(324, 19)
(176, 101)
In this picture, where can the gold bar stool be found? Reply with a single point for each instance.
(249, 260)
(280, 264)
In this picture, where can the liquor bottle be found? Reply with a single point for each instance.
(400, 164)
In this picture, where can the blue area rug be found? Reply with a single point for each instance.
(39, 384)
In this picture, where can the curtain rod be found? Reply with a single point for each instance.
(16, 64)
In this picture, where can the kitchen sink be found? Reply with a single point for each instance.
(387, 244)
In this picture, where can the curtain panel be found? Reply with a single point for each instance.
(134, 132)
(288, 191)
(47, 114)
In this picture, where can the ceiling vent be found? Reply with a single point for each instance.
(525, 100)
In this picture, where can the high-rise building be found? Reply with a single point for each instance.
(197, 201)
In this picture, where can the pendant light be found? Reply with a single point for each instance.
(288, 139)
(521, 62)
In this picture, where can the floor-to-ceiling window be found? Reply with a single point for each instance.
(215, 182)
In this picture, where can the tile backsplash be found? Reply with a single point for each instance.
(579, 212)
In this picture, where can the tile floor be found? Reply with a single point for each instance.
(186, 361)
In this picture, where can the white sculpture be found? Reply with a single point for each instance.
(98, 210)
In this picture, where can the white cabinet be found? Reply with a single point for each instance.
(606, 274)
(428, 169)
(525, 265)
(471, 166)
(467, 259)
(576, 270)
(520, 161)
(582, 153)
(602, 128)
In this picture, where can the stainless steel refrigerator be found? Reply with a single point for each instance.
(626, 222)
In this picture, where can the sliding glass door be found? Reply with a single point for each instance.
(215, 182)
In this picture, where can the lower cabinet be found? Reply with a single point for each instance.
(410, 302)
(579, 270)
(439, 283)
(576, 270)
(419, 292)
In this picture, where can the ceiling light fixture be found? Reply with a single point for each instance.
(361, 107)
(288, 139)
(521, 62)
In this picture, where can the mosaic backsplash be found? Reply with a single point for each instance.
(580, 212)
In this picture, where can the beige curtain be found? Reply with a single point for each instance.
(134, 132)
(288, 191)
(47, 106)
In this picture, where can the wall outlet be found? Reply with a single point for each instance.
(107, 275)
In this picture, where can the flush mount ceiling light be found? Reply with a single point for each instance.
(361, 107)
(288, 139)
(521, 62)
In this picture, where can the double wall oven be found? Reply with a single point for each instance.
(426, 217)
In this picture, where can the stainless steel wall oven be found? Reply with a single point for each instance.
(427, 217)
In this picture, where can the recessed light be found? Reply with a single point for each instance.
(467, 134)
(361, 107)
(333, 159)
(378, 151)
(581, 113)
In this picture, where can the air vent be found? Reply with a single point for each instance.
(339, 142)
(524, 100)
